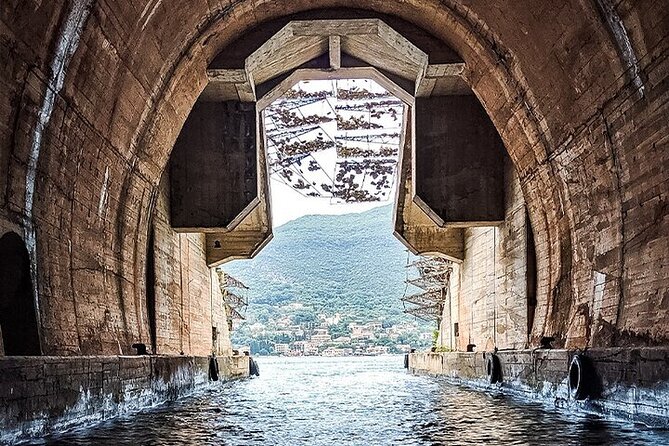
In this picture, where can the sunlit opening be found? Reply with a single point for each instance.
(334, 281)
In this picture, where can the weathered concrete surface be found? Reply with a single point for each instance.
(214, 167)
(493, 280)
(188, 300)
(254, 231)
(39, 395)
(634, 383)
(459, 162)
(584, 127)
(491, 289)
(300, 43)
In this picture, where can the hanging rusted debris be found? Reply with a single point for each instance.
(360, 124)
(231, 282)
(234, 300)
(234, 314)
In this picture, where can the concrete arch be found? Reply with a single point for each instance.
(482, 49)
(525, 131)
(138, 70)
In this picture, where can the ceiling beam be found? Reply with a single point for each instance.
(239, 79)
(329, 74)
(370, 40)
(334, 52)
(434, 72)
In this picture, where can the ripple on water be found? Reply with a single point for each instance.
(353, 401)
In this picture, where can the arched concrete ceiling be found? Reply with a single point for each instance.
(576, 90)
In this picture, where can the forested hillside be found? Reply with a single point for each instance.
(323, 264)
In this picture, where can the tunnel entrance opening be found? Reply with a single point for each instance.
(331, 281)
(18, 316)
(579, 103)
(458, 195)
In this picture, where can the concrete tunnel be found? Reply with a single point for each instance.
(534, 156)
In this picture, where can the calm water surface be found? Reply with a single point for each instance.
(354, 401)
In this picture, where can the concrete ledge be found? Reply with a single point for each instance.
(43, 394)
(632, 383)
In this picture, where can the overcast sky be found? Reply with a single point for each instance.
(288, 205)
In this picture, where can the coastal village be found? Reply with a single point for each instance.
(296, 329)
(332, 336)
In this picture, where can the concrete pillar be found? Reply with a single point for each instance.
(254, 230)
(459, 162)
(214, 168)
(414, 227)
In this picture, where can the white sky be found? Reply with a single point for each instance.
(287, 205)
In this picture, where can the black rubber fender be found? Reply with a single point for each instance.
(253, 368)
(213, 368)
(580, 378)
(493, 368)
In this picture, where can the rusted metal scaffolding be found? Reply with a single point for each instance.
(434, 274)
(234, 298)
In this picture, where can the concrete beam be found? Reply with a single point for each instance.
(413, 226)
(214, 168)
(334, 52)
(235, 245)
(442, 79)
(459, 162)
(229, 84)
(370, 41)
(327, 74)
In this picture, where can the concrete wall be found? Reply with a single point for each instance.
(93, 96)
(459, 159)
(630, 383)
(188, 303)
(188, 296)
(488, 298)
(39, 395)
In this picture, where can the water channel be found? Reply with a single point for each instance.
(354, 401)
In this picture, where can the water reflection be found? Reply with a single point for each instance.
(353, 401)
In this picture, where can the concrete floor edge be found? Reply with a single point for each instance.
(48, 394)
(627, 384)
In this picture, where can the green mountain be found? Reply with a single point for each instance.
(349, 264)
